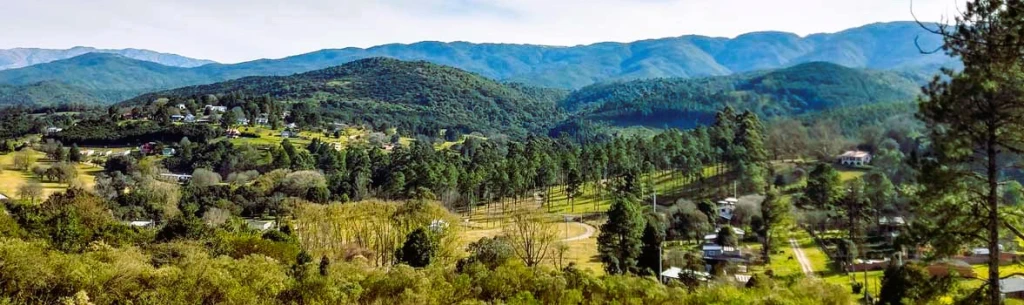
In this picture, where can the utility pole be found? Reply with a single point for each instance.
(654, 206)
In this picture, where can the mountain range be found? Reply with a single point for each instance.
(24, 57)
(882, 46)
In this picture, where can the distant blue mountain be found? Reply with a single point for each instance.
(881, 46)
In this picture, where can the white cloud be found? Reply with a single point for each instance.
(239, 30)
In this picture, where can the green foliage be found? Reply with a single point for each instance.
(650, 253)
(912, 284)
(685, 103)
(417, 96)
(418, 249)
(823, 187)
(726, 237)
(620, 242)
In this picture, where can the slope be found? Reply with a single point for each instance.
(418, 96)
(49, 93)
(677, 102)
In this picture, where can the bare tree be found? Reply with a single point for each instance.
(31, 190)
(531, 236)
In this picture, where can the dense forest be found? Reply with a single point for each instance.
(687, 103)
(410, 95)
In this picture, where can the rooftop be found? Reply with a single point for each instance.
(854, 154)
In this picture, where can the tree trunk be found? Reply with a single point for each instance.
(993, 220)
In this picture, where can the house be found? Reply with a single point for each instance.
(88, 153)
(1012, 287)
(167, 152)
(141, 223)
(291, 126)
(213, 108)
(713, 250)
(854, 158)
(233, 133)
(177, 117)
(242, 121)
(189, 118)
(53, 130)
(676, 273)
(726, 207)
(894, 221)
(262, 119)
(148, 148)
(179, 178)
(260, 225)
(287, 134)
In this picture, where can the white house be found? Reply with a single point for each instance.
(717, 250)
(726, 207)
(140, 223)
(1012, 287)
(242, 121)
(213, 108)
(854, 158)
(262, 119)
(260, 225)
(180, 178)
(189, 118)
(53, 130)
(675, 273)
(88, 153)
(177, 117)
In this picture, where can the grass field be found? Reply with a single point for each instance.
(11, 179)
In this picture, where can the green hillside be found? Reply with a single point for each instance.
(678, 102)
(106, 72)
(52, 93)
(410, 95)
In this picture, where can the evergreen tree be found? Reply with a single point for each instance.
(75, 155)
(773, 212)
(418, 249)
(823, 187)
(726, 237)
(650, 253)
(620, 242)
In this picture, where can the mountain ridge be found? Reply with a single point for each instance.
(23, 57)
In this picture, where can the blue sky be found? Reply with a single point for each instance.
(241, 30)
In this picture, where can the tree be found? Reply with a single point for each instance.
(75, 155)
(650, 253)
(23, 159)
(491, 252)
(325, 265)
(689, 223)
(911, 284)
(418, 249)
(773, 212)
(319, 194)
(30, 190)
(203, 177)
(975, 121)
(726, 237)
(823, 187)
(620, 241)
(530, 236)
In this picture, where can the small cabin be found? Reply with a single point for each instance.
(854, 158)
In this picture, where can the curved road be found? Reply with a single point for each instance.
(590, 232)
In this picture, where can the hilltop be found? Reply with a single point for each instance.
(415, 95)
(24, 57)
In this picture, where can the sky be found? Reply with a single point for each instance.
(232, 31)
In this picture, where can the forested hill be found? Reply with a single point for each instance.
(418, 96)
(883, 46)
(684, 103)
(24, 57)
(50, 93)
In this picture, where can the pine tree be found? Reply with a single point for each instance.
(823, 187)
(75, 155)
(620, 242)
(650, 253)
(418, 249)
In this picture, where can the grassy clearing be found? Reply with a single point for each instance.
(11, 179)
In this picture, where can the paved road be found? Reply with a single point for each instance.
(805, 264)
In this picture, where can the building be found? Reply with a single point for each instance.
(676, 273)
(53, 130)
(179, 178)
(726, 207)
(189, 118)
(287, 134)
(148, 148)
(262, 119)
(854, 158)
(712, 250)
(215, 109)
(177, 117)
(291, 126)
(242, 121)
(2, 197)
(233, 133)
(167, 152)
(141, 223)
(88, 153)
(260, 225)
(1012, 287)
